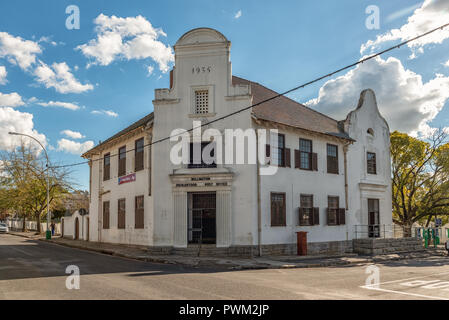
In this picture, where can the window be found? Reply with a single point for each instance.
(370, 132)
(106, 166)
(371, 162)
(308, 215)
(335, 215)
(332, 158)
(196, 156)
(279, 153)
(139, 212)
(121, 213)
(106, 215)
(122, 161)
(202, 101)
(305, 154)
(278, 210)
(138, 155)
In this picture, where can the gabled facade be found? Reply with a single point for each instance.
(321, 186)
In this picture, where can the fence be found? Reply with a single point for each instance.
(379, 231)
(17, 225)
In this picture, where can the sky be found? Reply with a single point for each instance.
(72, 86)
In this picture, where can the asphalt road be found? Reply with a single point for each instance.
(36, 270)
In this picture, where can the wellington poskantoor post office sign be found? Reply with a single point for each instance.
(125, 179)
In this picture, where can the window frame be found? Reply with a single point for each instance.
(308, 153)
(121, 171)
(139, 223)
(121, 224)
(371, 164)
(333, 169)
(192, 165)
(107, 167)
(279, 152)
(310, 213)
(283, 216)
(106, 214)
(195, 97)
(139, 155)
(333, 210)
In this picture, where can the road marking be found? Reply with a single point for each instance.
(406, 293)
(376, 287)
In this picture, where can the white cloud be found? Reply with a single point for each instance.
(58, 76)
(59, 104)
(238, 14)
(447, 63)
(72, 134)
(127, 38)
(3, 74)
(18, 51)
(11, 100)
(432, 14)
(73, 146)
(105, 112)
(404, 100)
(150, 70)
(16, 121)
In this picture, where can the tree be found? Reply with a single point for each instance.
(420, 186)
(23, 179)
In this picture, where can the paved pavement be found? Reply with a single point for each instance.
(32, 269)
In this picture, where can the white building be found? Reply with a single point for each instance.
(332, 175)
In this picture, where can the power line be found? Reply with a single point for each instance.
(277, 95)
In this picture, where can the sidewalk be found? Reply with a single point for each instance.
(232, 263)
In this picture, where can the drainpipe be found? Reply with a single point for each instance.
(259, 210)
(345, 156)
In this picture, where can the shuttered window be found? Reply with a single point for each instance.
(138, 155)
(278, 218)
(305, 156)
(107, 167)
(335, 215)
(281, 155)
(332, 158)
(371, 162)
(121, 214)
(106, 215)
(122, 161)
(308, 215)
(139, 212)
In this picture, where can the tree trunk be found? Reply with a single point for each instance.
(38, 219)
(407, 230)
(24, 223)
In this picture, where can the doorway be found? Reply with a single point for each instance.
(201, 221)
(373, 218)
(77, 228)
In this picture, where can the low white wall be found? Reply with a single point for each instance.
(31, 225)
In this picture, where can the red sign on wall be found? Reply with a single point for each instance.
(129, 178)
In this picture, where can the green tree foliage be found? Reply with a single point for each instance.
(23, 183)
(420, 184)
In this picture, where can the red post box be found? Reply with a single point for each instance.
(302, 243)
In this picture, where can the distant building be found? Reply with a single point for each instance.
(333, 177)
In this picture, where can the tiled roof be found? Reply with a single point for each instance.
(141, 122)
(286, 111)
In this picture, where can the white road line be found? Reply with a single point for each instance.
(393, 281)
(405, 293)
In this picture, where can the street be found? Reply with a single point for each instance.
(31, 269)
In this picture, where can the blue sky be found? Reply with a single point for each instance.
(277, 43)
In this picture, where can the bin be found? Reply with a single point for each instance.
(302, 243)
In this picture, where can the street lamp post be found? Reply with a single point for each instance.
(48, 232)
